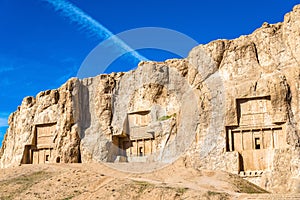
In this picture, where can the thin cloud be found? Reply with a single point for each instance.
(90, 25)
(6, 69)
(3, 122)
(4, 114)
(9, 64)
(4, 119)
(6, 82)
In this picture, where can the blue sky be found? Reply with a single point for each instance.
(40, 48)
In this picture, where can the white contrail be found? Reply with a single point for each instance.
(85, 22)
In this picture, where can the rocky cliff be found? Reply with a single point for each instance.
(231, 105)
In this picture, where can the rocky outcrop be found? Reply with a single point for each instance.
(231, 105)
(259, 90)
(52, 108)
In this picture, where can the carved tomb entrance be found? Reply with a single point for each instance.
(255, 137)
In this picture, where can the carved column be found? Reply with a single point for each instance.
(230, 140)
(144, 153)
(130, 149)
(272, 138)
(253, 142)
(262, 138)
(137, 147)
(242, 140)
(151, 145)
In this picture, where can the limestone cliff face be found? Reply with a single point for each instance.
(52, 109)
(257, 100)
(230, 105)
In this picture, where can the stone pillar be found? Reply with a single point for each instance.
(253, 142)
(242, 140)
(144, 153)
(130, 150)
(137, 147)
(151, 141)
(272, 138)
(230, 140)
(262, 139)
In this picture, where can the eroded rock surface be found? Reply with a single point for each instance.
(231, 105)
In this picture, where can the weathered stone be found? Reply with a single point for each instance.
(231, 105)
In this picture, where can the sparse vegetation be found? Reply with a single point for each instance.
(181, 191)
(68, 198)
(217, 195)
(166, 117)
(143, 186)
(42, 183)
(246, 187)
(20, 184)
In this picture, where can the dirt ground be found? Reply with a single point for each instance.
(113, 181)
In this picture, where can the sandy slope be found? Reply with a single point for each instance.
(99, 181)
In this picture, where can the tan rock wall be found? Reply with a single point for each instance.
(230, 105)
(258, 65)
(50, 107)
